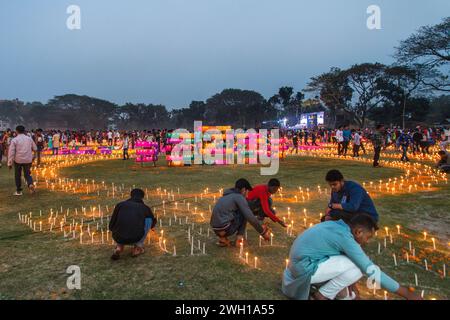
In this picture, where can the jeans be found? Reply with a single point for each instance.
(338, 272)
(237, 225)
(147, 227)
(376, 156)
(18, 168)
(404, 153)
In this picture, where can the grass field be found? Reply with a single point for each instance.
(33, 264)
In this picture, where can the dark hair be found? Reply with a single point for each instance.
(20, 129)
(363, 220)
(274, 183)
(243, 184)
(334, 175)
(137, 194)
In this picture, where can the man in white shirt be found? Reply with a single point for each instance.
(340, 139)
(356, 143)
(20, 155)
(110, 138)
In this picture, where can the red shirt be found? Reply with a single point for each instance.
(262, 193)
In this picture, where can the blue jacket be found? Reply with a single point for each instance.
(316, 245)
(354, 198)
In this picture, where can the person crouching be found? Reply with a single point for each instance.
(231, 213)
(130, 223)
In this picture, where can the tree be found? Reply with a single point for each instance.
(398, 84)
(430, 48)
(334, 91)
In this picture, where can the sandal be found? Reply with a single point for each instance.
(137, 251)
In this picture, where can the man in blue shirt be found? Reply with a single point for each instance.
(347, 135)
(347, 198)
(329, 255)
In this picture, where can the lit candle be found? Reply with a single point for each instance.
(287, 263)
(260, 239)
(92, 237)
(40, 225)
(241, 251)
(407, 257)
(434, 243)
(398, 229)
(424, 235)
(271, 239)
(81, 238)
(246, 257)
(256, 262)
(385, 295)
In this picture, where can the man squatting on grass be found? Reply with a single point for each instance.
(231, 213)
(347, 198)
(130, 223)
(330, 256)
(261, 203)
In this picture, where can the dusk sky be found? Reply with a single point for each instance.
(175, 51)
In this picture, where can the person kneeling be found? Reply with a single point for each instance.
(330, 256)
(130, 223)
(231, 213)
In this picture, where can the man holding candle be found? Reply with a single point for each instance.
(260, 201)
(347, 198)
(130, 223)
(231, 213)
(330, 256)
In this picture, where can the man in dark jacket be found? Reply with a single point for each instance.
(347, 199)
(130, 223)
(231, 213)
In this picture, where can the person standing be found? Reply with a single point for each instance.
(39, 141)
(404, 140)
(346, 135)
(378, 142)
(56, 142)
(356, 143)
(20, 155)
(126, 143)
(339, 140)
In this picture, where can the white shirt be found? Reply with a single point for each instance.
(339, 135)
(21, 150)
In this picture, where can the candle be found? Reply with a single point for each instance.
(395, 259)
(443, 270)
(287, 263)
(241, 251)
(256, 262)
(385, 295)
(379, 248)
(385, 242)
(40, 225)
(204, 247)
(192, 246)
(410, 246)
(174, 251)
(407, 257)
(398, 229)
(92, 237)
(424, 235)
(271, 239)
(426, 264)
(416, 279)
(260, 239)
(246, 257)
(387, 231)
(81, 238)
(434, 243)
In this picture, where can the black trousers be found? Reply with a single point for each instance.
(345, 147)
(26, 168)
(376, 156)
(356, 150)
(125, 154)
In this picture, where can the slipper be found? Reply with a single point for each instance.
(137, 251)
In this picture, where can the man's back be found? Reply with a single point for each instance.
(128, 221)
(21, 150)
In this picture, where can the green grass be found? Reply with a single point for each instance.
(33, 264)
